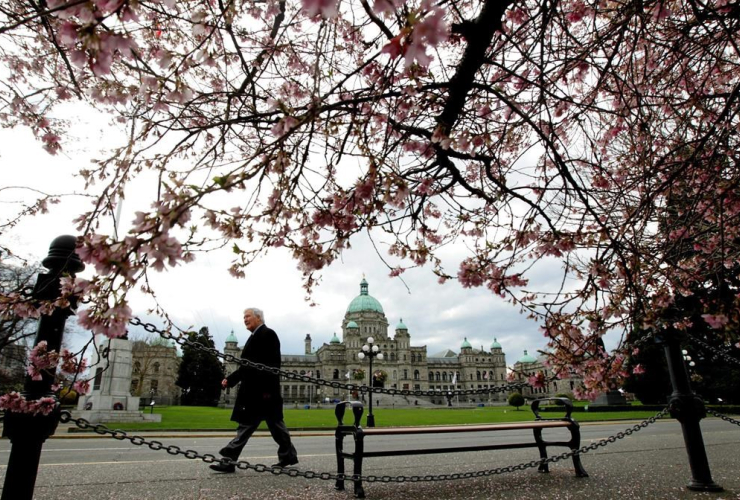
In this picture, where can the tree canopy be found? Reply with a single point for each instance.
(531, 131)
(200, 373)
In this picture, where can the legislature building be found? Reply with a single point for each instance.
(404, 366)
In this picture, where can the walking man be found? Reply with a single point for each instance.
(259, 396)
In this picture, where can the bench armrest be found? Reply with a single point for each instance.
(357, 410)
(565, 402)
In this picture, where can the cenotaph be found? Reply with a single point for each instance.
(110, 399)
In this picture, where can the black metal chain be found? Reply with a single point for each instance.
(120, 435)
(328, 383)
(649, 334)
(715, 352)
(723, 417)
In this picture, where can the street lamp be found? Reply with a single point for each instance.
(371, 351)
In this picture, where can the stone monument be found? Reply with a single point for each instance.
(111, 399)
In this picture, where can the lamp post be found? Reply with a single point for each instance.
(27, 432)
(371, 351)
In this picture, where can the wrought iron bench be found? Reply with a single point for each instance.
(538, 425)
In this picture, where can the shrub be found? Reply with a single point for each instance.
(516, 400)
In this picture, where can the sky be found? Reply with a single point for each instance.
(438, 316)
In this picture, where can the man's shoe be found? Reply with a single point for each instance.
(286, 463)
(219, 467)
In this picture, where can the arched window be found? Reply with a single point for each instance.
(437, 377)
(137, 367)
(336, 374)
(477, 375)
(393, 356)
(156, 367)
(416, 374)
(405, 374)
(431, 376)
(444, 376)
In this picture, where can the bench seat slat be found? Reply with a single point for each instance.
(379, 431)
(428, 451)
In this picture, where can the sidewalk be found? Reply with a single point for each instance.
(650, 465)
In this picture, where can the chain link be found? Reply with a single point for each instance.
(716, 353)
(649, 335)
(363, 389)
(723, 417)
(120, 435)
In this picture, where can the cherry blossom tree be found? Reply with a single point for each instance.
(532, 131)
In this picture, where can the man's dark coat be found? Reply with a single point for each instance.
(259, 393)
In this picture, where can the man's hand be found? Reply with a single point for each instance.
(224, 383)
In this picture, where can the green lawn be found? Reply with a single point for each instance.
(198, 417)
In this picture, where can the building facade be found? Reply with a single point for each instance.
(528, 365)
(154, 372)
(404, 365)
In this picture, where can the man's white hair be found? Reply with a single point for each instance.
(256, 312)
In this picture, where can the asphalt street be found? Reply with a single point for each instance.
(651, 464)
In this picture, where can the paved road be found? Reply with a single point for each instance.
(651, 464)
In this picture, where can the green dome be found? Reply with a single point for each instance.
(364, 302)
(495, 344)
(466, 344)
(527, 358)
(232, 337)
(335, 340)
(352, 324)
(401, 326)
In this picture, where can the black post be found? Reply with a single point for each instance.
(26, 432)
(688, 409)
(370, 416)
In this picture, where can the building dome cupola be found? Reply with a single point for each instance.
(232, 338)
(352, 325)
(495, 344)
(466, 344)
(401, 326)
(527, 358)
(335, 339)
(364, 301)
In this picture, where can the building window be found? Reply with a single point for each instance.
(416, 374)
(134, 386)
(405, 374)
(137, 367)
(444, 376)
(336, 374)
(153, 386)
(438, 379)
(98, 379)
(156, 367)
(477, 375)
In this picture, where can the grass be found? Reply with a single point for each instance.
(199, 417)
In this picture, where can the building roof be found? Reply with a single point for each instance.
(495, 344)
(401, 326)
(444, 354)
(364, 301)
(466, 344)
(352, 324)
(232, 337)
(527, 358)
(335, 339)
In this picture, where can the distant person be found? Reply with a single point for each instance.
(259, 396)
